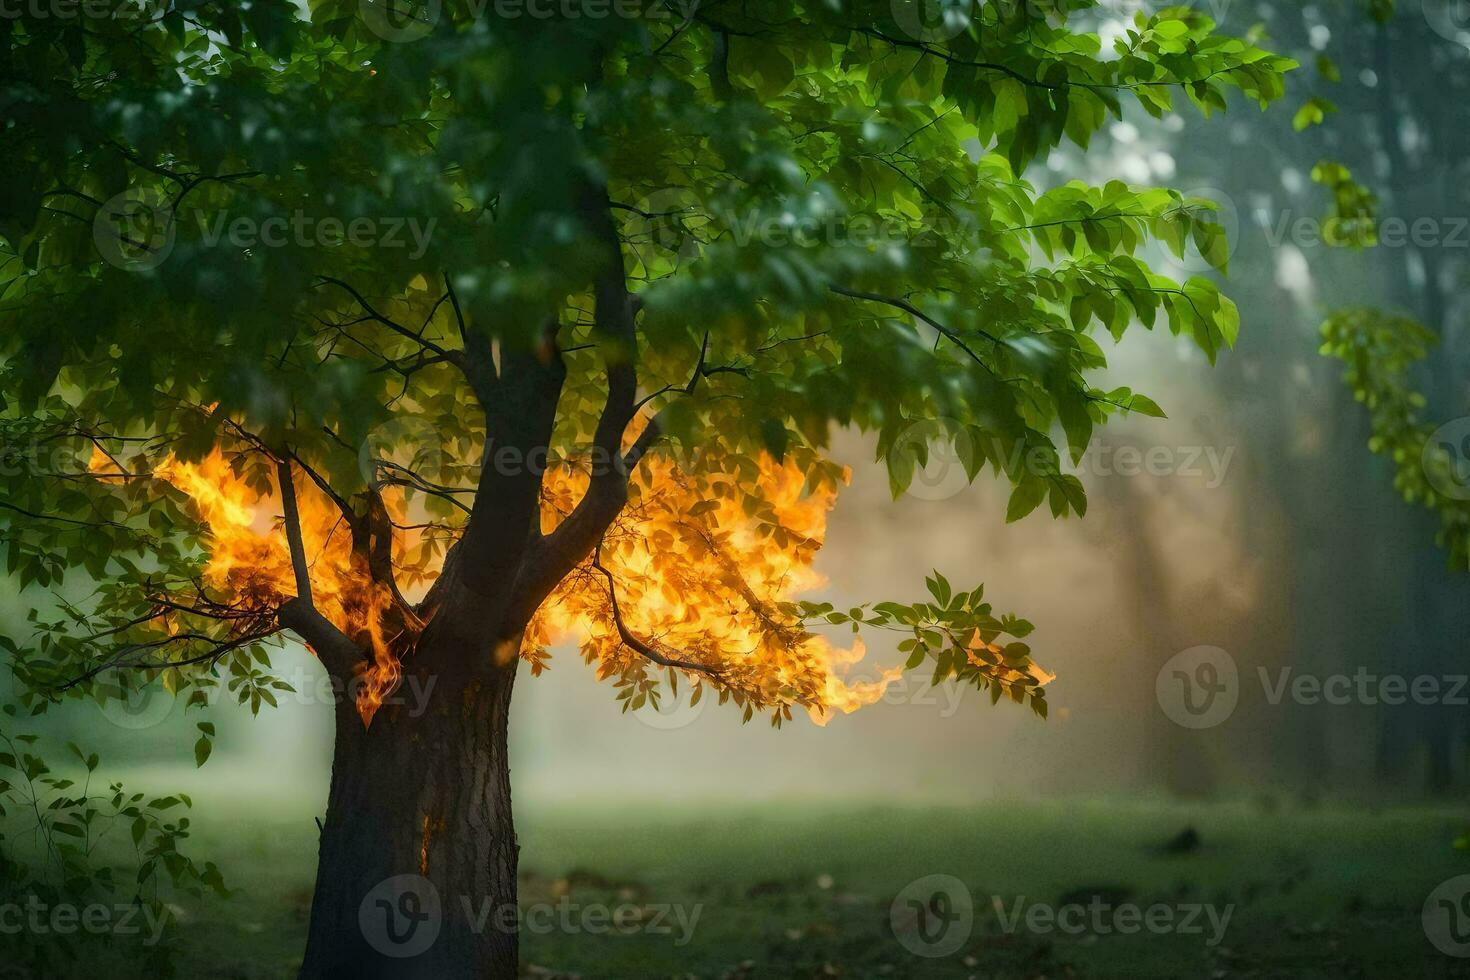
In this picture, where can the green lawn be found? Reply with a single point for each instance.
(805, 891)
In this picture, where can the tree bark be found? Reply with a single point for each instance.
(417, 869)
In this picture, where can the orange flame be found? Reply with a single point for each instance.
(703, 565)
(249, 562)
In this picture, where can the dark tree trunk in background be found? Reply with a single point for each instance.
(417, 869)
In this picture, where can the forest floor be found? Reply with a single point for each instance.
(794, 890)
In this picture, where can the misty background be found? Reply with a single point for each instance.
(1254, 519)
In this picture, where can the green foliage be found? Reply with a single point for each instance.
(1383, 351)
(58, 835)
(1380, 352)
(1312, 113)
(1354, 220)
(959, 633)
(802, 216)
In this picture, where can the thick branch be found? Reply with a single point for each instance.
(336, 651)
(552, 558)
(293, 531)
(519, 417)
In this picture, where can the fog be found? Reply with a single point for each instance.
(1253, 520)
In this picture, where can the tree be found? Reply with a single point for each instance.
(525, 324)
(1403, 355)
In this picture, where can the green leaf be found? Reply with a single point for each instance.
(1025, 498)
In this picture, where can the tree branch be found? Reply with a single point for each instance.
(632, 642)
(552, 558)
(338, 653)
(917, 314)
(334, 648)
(293, 531)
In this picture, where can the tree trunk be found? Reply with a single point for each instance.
(417, 870)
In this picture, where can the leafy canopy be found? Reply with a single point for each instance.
(332, 254)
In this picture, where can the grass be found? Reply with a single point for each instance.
(805, 890)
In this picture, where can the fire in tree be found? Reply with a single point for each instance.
(435, 342)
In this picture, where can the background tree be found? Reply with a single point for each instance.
(529, 325)
(1387, 155)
